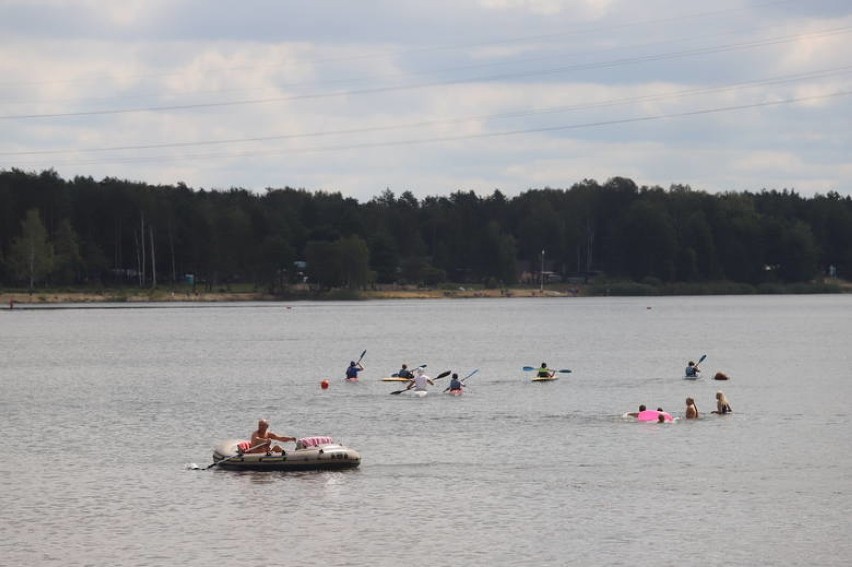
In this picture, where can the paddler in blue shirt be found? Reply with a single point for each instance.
(353, 370)
(404, 372)
(691, 370)
(455, 383)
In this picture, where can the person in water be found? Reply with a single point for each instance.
(636, 413)
(353, 370)
(691, 409)
(420, 380)
(544, 371)
(722, 403)
(404, 372)
(455, 384)
(261, 440)
(691, 370)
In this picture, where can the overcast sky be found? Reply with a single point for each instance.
(359, 96)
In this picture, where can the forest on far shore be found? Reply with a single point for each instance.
(91, 234)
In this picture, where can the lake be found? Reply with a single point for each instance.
(107, 407)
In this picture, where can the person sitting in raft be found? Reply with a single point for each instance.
(722, 404)
(691, 370)
(455, 384)
(404, 372)
(261, 440)
(544, 371)
(691, 409)
(353, 370)
(420, 380)
(636, 413)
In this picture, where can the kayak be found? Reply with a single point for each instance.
(455, 392)
(310, 454)
(696, 377)
(395, 379)
(351, 379)
(545, 378)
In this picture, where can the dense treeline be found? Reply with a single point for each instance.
(84, 232)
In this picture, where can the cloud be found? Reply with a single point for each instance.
(357, 97)
(582, 9)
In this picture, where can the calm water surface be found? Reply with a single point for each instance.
(104, 408)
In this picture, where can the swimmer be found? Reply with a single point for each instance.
(691, 409)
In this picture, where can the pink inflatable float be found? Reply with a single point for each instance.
(654, 415)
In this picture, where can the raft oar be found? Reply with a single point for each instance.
(441, 375)
(234, 456)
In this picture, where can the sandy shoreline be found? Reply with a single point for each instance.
(8, 299)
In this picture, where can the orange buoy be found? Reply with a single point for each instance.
(324, 384)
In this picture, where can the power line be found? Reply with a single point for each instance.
(444, 139)
(415, 86)
(516, 114)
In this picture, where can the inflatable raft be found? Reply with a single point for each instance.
(310, 454)
(654, 416)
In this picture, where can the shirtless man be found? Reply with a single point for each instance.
(262, 439)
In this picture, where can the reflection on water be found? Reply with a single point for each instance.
(104, 408)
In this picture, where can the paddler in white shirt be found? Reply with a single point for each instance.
(420, 380)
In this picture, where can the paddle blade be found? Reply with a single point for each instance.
(700, 360)
(469, 375)
(444, 374)
(528, 368)
(566, 371)
(360, 358)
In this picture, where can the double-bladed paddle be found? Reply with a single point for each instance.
(531, 368)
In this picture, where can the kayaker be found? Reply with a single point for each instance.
(261, 440)
(691, 370)
(544, 371)
(420, 380)
(455, 383)
(404, 372)
(722, 403)
(691, 409)
(353, 370)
